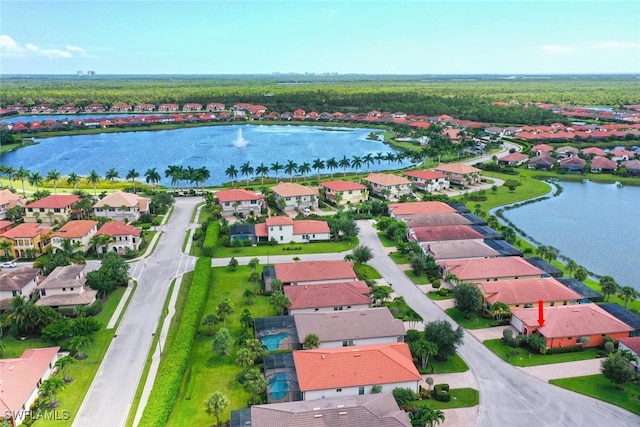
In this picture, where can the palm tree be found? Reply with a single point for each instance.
(318, 165)
(276, 167)
(22, 174)
(73, 179)
(94, 178)
(254, 383)
(64, 363)
(331, 165)
(224, 309)
(246, 170)
(98, 241)
(571, 266)
(311, 341)
(5, 246)
(54, 176)
(390, 157)
(356, 163)
(35, 179)
(111, 175)
(291, 168)
(71, 252)
(400, 156)
(216, 404)
(627, 293)
(175, 173)
(78, 344)
(304, 169)
(50, 388)
(379, 157)
(344, 163)
(132, 175)
(262, 170)
(203, 175)
(232, 173)
(368, 160)
(11, 173)
(152, 177)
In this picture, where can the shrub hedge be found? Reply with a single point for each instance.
(211, 239)
(441, 392)
(167, 385)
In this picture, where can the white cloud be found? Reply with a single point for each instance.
(9, 47)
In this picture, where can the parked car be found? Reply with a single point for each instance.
(8, 264)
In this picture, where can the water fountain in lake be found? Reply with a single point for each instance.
(240, 141)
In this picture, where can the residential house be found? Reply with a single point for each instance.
(121, 206)
(8, 200)
(168, 108)
(632, 166)
(388, 186)
(526, 293)
(544, 161)
(94, 108)
(77, 231)
(21, 380)
(64, 287)
(371, 410)
(315, 272)
(460, 173)
(459, 249)
(345, 193)
(352, 371)
(436, 219)
(603, 165)
(484, 270)
(443, 233)
(192, 106)
(541, 149)
(566, 325)
(402, 210)
(292, 195)
(56, 208)
(594, 152)
(215, 106)
(429, 181)
(144, 108)
(120, 108)
(567, 151)
(351, 328)
(27, 237)
(283, 229)
(624, 315)
(513, 159)
(328, 297)
(123, 238)
(17, 282)
(621, 155)
(632, 345)
(573, 164)
(5, 226)
(239, 202)
(299, 114)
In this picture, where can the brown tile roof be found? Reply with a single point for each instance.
(458, 168)
(64, 277)
(474, 269)
(27, 230)
(237, 195)
(118, 228)
(17, 279)
(328, 295)
(527, 291)
(386, 179)
(122, 198)
(69, 299)
(459, 249)
(443, 232)
(572, 321)
(311, 271)
(75, 229)
(332, 368)
(54, 201)
(603, 163)
(594, 150)
(414, 208)
(340, 185)
(291, 189)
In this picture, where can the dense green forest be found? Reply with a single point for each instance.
(467, 97)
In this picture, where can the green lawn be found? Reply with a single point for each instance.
(398, 258)
(524, 358)
(460, 398)
(208, 372)
(475, 322)
(366, 271)
(452, 365)
(599, 387)
(435, 295)
(418, 280)
(387, 243)
(305, 248)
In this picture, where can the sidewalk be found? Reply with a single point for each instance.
(564, 370)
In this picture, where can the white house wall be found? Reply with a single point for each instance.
(355, 391)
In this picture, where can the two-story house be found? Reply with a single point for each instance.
(237, 201)
(8, 199)
(460, 173)
(77, 231)
(389, 186)
(345, 193)
(27, 237)
(121, 205)
(17, 282)
(291, 195)
(56, 208)
(283, 229)
(65, 287)
(429, 181)
(122, 238)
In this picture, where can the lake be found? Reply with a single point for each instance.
(596, 225)
(216, 147)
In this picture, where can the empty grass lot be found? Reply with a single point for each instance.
(525, 358)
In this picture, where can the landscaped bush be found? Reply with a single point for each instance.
(167, 384)
(443, 292)
(435, 283)
(211, 239)
(561, 350)
(441, 392)
(404, 395)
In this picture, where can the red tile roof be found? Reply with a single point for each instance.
(413, 208)
(26, 229)
(328, 295)
(60, 201)
(513, 157)
(458, 168)
(479, 269)
(278, 220)
(237, 195)
(291, 189)
(118, 228)
(75, 229)
(310, 226)
(426, 175)
(443, 232)
(632, 342)
(603, 163)
(312, 271)
(545, 148)
(386, 179)
(332, 368)
(340, 185)
(523, 291)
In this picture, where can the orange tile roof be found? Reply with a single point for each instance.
(328, 294)
(8, 197)
(386, 179)
(413, 208)
(122, 198)
(340, 185)
(20, 375)
(261, 230)
(632, 342)
(572, 321)
(54, 201)
(332, 368)
(426, 175)
(311, 271)
(310, 226)
(26, 229)
(118, 228)
(523, 291)
(279, 220)
(459, 168)
(443, 232)
(75, 229)
(291, 189)
(489, 268)
(237, 195)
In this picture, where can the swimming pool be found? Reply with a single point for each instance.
(278, 386)
(272, 342)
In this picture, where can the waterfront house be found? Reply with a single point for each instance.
(632, 166)
(402, 210)
(443, 233)
(328, 297)
(295, 196)
(17, 282)
(239, 202)
(283, 229)
(314, 272)
(460, 173)
(573, 164)
(345, 193)
(215, 106)
(56, 208)
(122, 238)
(144, 108)
(513, 159)
(121, 206)
(489, 269)
(459, 249)
(192, 106)
(543, 161)
(64, 287)
(388, 186)
(77, 231)
(429, 181)
(27, 237)
(168, 108)
(436, 219)
(526, 293)
(603, 165)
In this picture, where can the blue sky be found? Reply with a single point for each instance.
(372, 37)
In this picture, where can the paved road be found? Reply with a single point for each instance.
(109, 398)
(508, 396)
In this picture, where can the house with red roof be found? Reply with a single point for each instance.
(168, 108)
(544, 162)
(328, 297)
(345, 193)
(458, 249)
(314, 272)
(94, 108)
(284, 230)
(120, 107)
(79, 232)
(295, 196)
(237, 201)
(513, 159)
(401, 210)
(5, 226)
(443, 233)
(603, 165)
(541, 148)
(56, 208)
(215, 106)
(299, 114)
(428, 180)
(526, 293)
(488, 269)
(144, 108)
(567, 325)
(21, 380)
(352, 371)
(27, 237)
(573, 164)
(121, 206)
(389, 186)
(65, 287)
(8, 200)
(460, 173)
(632, 345)
(122, 238)
(192, 106)
(621, 155)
